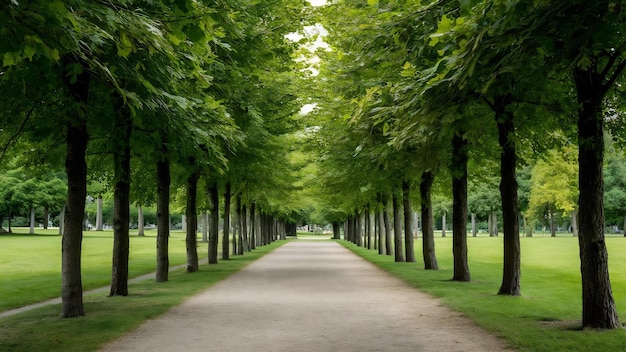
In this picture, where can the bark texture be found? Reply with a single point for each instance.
(76, 168)
(459, 208)
(253, 226)
(387, 224)
(428, 232)
(226, 232)
(368, 228)
(508, 192)
(163, 219)
(397, 230)
(121, 202)
(99, 213)
(191, 215)
(598, 303)
(214, 223)
(336, 231)
(244, 228)
(408, 217)
(140, 222)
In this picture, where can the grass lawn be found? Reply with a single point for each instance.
(106, 318)
(547, 317)
(31, 264)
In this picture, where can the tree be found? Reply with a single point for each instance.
(397, 229)
(554, 186)
(192, 219)
(214, 223)
(408, 219)
(615, 188)
(458, 170)
(428, 238)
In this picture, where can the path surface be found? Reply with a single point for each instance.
(309, 296)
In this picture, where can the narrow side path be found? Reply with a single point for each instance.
(103, 289)
(309, 296)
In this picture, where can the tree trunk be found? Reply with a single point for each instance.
(244, 228)
(121, 201)
(387, 224)
(235, 229)
(552, 227)
(598, 303)
(11, 217)
(214, 224)
(46, 218)
(443, 225)
(376, 230)
(140, 222)
(336, 231)
(494, 224)
(490, 223)
(348, 229)
(359, 229)
(99, 213)
(191, 215)
(459, 208)
(408, 215)
(77, 138)
(528, 227)
(239, 225)
(473, 217)
(205, 225)
(253, 224)
(428, 233)
(368, 227)
(508, 192)
(416, 224)
(32, 220)
(163, 217)
(226, 232)
(397, 230)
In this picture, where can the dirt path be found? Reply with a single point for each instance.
(309, 296)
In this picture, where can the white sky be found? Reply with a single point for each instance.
(317, 2)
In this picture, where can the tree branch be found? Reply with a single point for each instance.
(17, 133)
(618, 71)
(612, 60)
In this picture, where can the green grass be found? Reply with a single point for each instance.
(547, 317)
(107, 318)
(31, 264)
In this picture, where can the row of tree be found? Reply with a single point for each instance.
(152, 99)
(427, 96)
(547, 198)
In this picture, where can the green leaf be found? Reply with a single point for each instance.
(194, 32)
(584, 62)
(73, 70)
(125, 45)
(11, 58)
(29, 52)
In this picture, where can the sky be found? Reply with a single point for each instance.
(317, 2)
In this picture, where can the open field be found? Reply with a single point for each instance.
(107, 318)
(547, 317)
(31, 264)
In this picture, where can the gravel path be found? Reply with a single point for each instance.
(309, 296)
